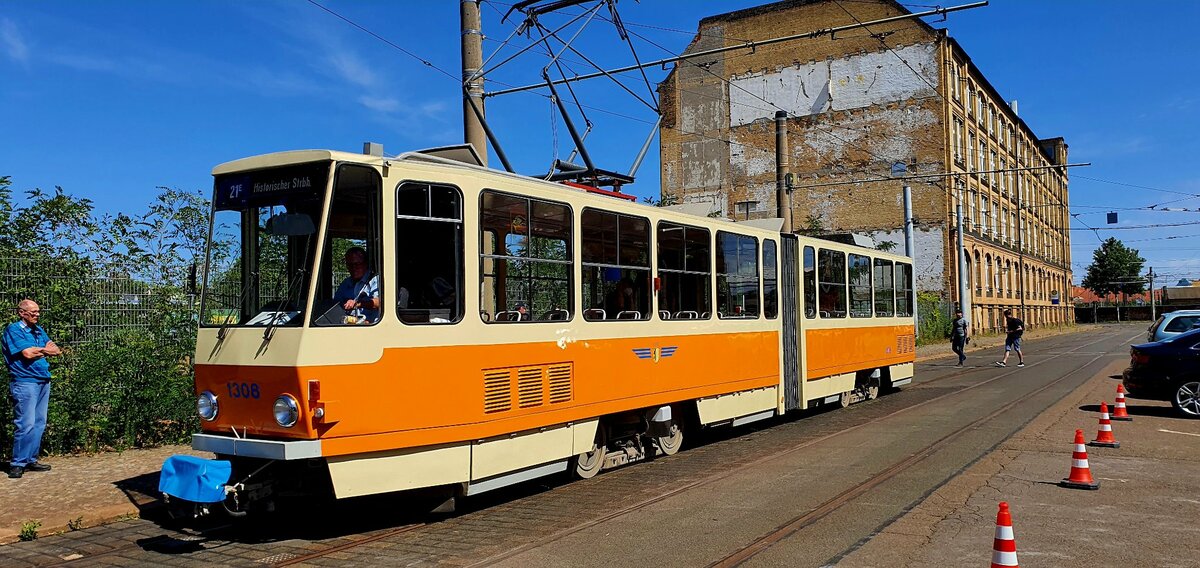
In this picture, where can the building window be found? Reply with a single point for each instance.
(958, 141)
(971, 152)
(860, 286)
(525, 260)
(955, 87)
(972, 199)
(995, 217)
(737, 276)
(684, 268)
(616, 266)
(1004, 224)
(831, 270)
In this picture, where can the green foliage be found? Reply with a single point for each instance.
(130, 386)
(1115, 268)
(885, 246)
(29, 530)
(813, 225)
(933, 317)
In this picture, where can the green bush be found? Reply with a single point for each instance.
(933, 318)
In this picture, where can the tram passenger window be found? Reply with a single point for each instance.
(616, 266)
(770, 281)
(810, 283)
(429, 253)
(350, 262)
(737, 276)
(685, 271)
(525, 259)
(885, 288)
(860, 286)
(831, 270)
(904, 290)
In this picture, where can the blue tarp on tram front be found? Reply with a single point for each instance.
(195, 479)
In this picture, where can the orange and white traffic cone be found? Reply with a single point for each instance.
(1119, 412)
(1081, 474)
(1104, 437)
(1004, 548)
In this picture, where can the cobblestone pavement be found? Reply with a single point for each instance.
(485, 526)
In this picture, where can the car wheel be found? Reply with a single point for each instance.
(1186, 398)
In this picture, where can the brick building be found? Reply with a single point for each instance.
(859, 101)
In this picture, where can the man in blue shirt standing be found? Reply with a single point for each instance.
(26, 347)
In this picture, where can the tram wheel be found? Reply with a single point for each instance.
(589, 463)
(669, 445)
(872, 389)
(846, 399)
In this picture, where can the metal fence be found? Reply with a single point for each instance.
(81, 300)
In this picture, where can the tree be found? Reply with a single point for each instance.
(1115, 268)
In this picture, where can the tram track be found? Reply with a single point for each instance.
(779, 533)
(820, 511)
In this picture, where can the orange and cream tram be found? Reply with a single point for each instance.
(524, 328)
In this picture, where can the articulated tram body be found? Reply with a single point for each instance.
(526, 328)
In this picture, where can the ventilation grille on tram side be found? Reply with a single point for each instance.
(530, 386)
(906, 343)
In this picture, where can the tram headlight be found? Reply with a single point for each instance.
(287, 411)
(206, 406)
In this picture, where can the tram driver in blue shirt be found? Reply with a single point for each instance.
(359, 292)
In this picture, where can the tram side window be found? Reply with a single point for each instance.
(860, 286)
(810, 283)
(737, 276)
(685, 271)
(525, 259)
(831, 270)
(770, 281)
(429, 253)
(616, 266)
(904, 290)
(885, 288)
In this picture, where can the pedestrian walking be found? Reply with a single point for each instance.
(26, 347)
(959, 336)
(1012, 341)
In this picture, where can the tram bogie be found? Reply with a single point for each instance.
(487, 328)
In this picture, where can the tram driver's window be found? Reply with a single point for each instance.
(616, 266)
(525, 259)
(349, 285)
(810, 283)
(904, 290)
(885, 288)
(860, 286)
(831, 271)
(684, 268)
(737, 276)
(429, 253)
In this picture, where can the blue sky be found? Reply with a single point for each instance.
(111, 99)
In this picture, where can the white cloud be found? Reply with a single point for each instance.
(350, 67)
(381, 104)
(14, 44)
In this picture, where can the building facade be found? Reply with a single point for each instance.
(858, 102)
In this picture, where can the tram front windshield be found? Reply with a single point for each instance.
(262, 245)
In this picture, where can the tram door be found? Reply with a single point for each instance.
(789, 285)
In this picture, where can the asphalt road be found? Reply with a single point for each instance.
(814, 490)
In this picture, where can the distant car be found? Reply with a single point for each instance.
(1173, 323)
(1167, 369)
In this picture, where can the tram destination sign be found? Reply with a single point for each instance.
(269, 187)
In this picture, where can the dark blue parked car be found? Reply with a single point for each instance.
(1167, 369)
